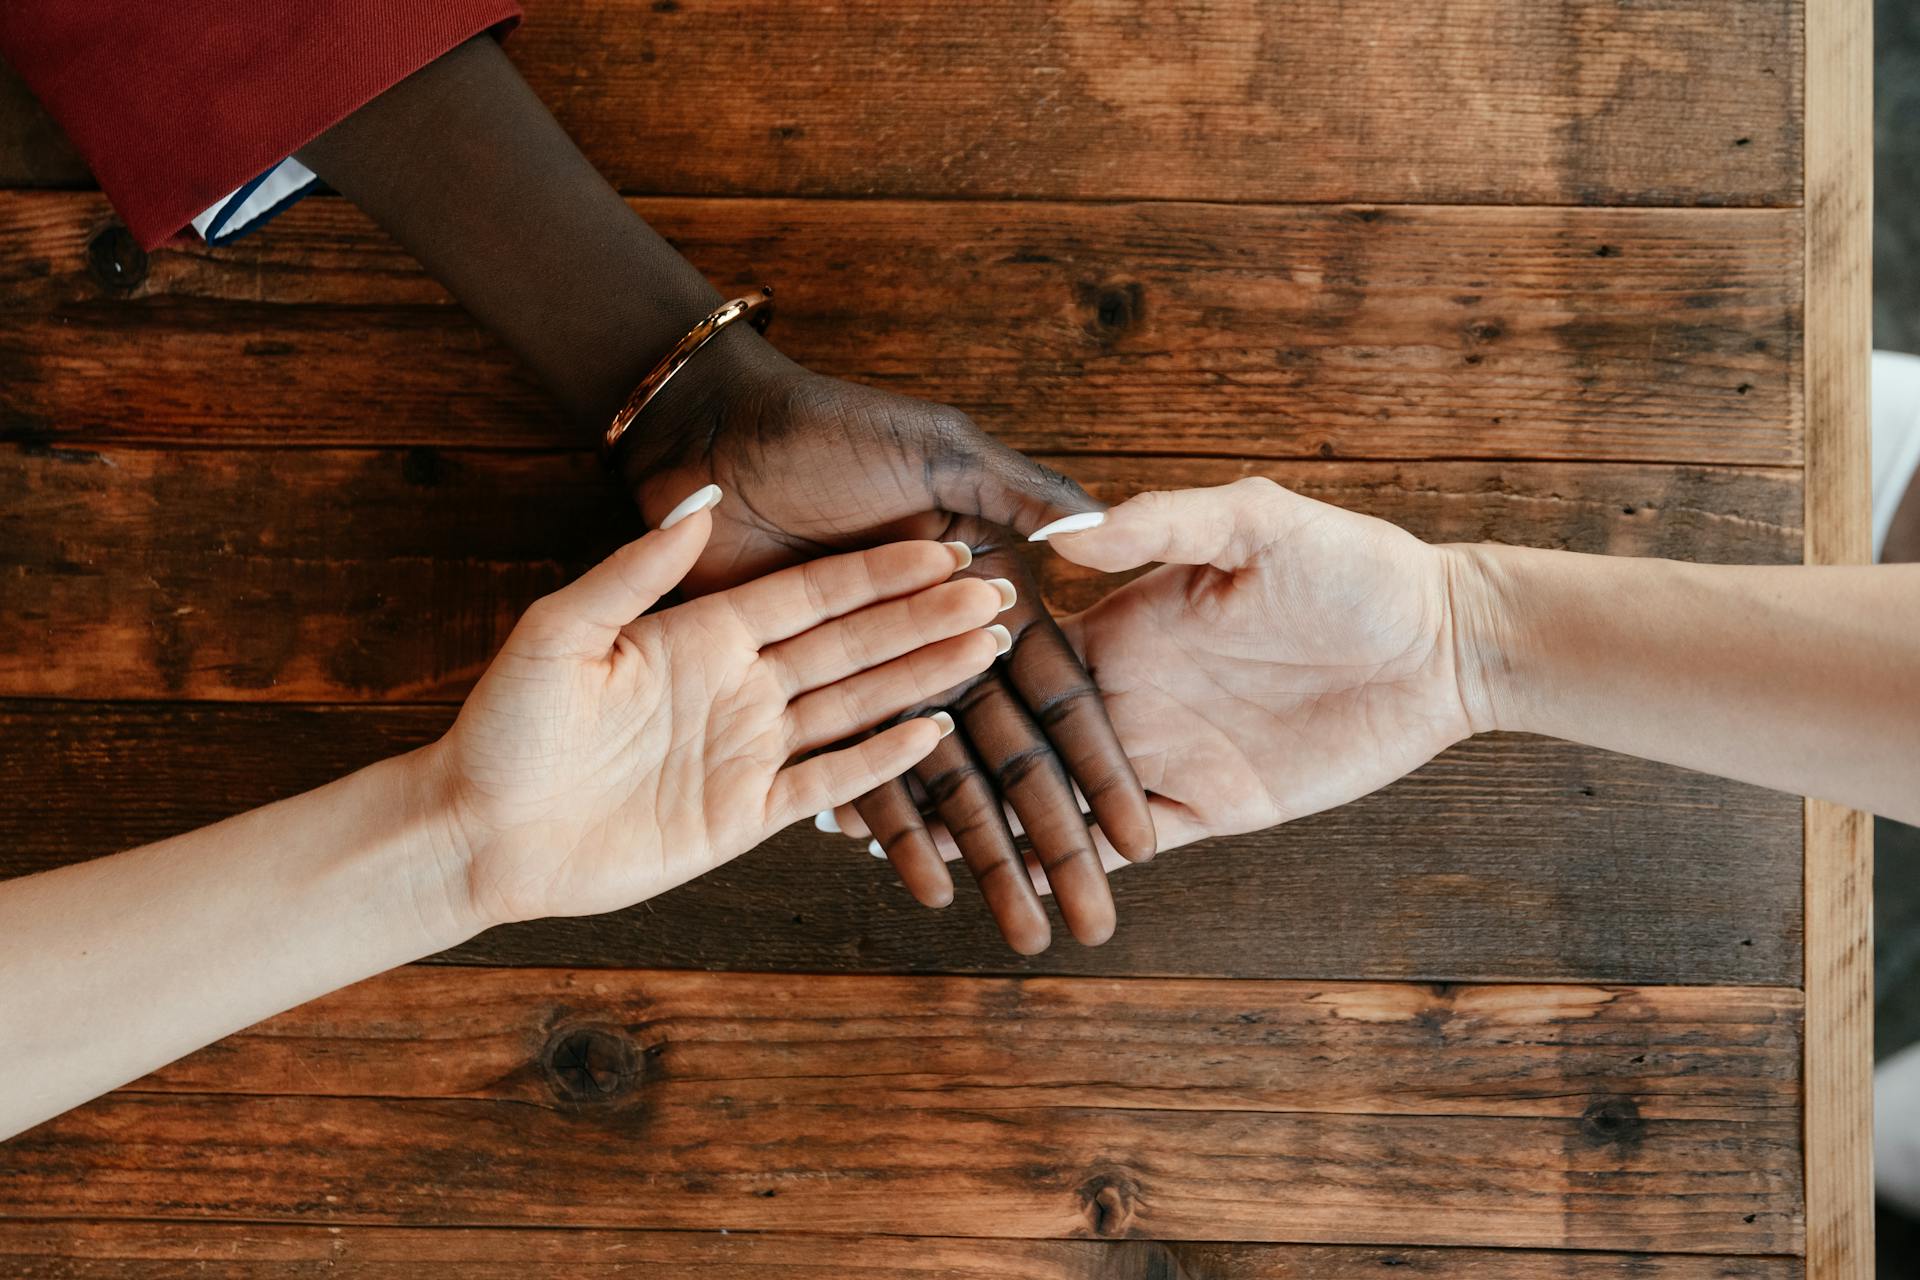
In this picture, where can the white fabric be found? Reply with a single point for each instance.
(1896, 436)
(283, 180)
(1896, 1129)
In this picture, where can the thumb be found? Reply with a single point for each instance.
(1223, 526)
(1006, 487)
(631, 581)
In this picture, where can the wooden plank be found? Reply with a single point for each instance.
(930, 1044)
(1571, 1117)
(1599, 868)
(394, 574)
(1282, 332)
(1493, 101)
(153, 1251)
(1839, 843)
(1496, 101)
(284, 574)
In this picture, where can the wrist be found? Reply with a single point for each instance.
(735, 370)
(1489, 641)
(439, 852)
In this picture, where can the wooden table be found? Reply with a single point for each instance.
(1575, 273)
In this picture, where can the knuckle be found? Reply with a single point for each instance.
(989, 873)
(948, 790)
(814, 590)
(982, 830)
(1073, 702)
(949, 431)
(1013, 771)
(977, 698)
(902, 838)
(1053, 860)
(1154, 504)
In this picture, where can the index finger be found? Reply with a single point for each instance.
(784, 604)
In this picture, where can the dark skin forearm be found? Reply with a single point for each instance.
(467, 169)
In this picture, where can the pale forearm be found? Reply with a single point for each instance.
(1803, 679)
(112, 968)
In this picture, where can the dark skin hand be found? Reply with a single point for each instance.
(468, 170)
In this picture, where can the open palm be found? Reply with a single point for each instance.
(1287, 656)
(606, 757)
(1306, 661)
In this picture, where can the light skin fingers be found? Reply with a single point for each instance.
(835, 777)
(1223, 526)
(882, 632)
(862, 701)
(588, 613)
(797, 600)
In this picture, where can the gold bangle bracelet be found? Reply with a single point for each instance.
(755, 308)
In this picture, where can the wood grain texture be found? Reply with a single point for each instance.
(935, 1044)
(1584, 1117)
(1182, 328)
(1495, 101)
(1598, 868)
(394, 574)
(1839, 843)
(162, 1251)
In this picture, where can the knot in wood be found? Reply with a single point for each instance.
(115, 259)
(1109, 1199)
(1115, 308)
(589, 1065)
(1613, 1121)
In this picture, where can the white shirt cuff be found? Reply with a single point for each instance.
(248, 206)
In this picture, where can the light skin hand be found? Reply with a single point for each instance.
(1295, 656)
(604, 758)
(1237, 714)
(1286, 657)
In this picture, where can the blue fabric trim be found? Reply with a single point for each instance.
(215, 239)
(232, 206)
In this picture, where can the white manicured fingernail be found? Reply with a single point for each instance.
(1002, 639)
(1069, 524)
(961, 552)
(825, 821)
(943, 722)
(873, 847)
(1007, 593)
(699, 500)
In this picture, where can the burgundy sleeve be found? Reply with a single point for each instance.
(174, 105)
